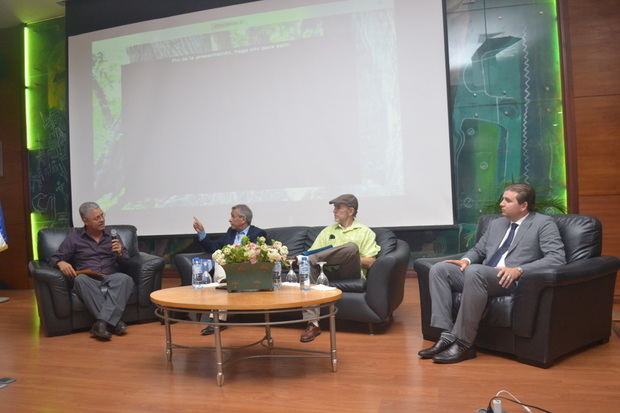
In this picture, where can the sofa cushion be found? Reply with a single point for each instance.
(386, 240)
(295, 238)
(581, 235)
(498, 312)
(350, 286)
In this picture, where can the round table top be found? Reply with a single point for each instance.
(210, 298)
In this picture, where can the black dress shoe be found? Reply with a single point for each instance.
(120, 329)
(208, 330)
(457, 352)
(442, 344)
(100, 331)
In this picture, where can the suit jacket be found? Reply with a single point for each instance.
(210, 246)
(537, 244)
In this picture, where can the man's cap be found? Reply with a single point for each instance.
(345, 199)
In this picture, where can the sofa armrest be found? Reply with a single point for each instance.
(385, 281)
(422, 266)
(146, 271)
(58, 286)
(531, 286)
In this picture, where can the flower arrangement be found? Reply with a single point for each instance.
(251, 252)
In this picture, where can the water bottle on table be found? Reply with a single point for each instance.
(197, 273)
(277, 275)
(304, 274)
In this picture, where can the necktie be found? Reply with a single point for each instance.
(504, 247)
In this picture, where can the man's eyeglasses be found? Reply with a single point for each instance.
(99, 217)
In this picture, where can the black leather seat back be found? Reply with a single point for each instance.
(483, 224)
(49, 239)
(295, 238)
(581, 234)
(386, 239)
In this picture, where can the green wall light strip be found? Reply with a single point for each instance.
(27, 91)
(558, 79)
(34, 228)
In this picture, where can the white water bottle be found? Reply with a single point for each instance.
(197, 273)
(277, 275)
(304, 274)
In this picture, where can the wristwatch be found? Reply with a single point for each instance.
(520, 270)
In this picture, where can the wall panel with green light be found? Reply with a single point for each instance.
(46, 124)
(506, 116)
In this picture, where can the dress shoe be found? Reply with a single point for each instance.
(208, 330)
(310, 333)
(443, 343)
(120, 329)
(100, 331)
(457, 352)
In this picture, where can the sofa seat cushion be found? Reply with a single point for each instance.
(350, 286)
(498, 312)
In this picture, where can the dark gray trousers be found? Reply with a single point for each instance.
(477, 283)
(105, 298)
(346, 256)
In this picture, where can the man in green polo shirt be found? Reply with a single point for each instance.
(354, 250)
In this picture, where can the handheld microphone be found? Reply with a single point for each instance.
(332, 236)
(114, 235)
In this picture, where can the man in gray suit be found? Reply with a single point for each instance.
(514, 245)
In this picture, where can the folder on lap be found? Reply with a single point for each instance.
(310, 252)
(90, 272)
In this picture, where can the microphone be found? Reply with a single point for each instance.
(332, 236)
(114, 235)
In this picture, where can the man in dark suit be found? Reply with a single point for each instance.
(514, 245)
(240, 225)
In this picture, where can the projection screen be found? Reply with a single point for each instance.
(281, 105)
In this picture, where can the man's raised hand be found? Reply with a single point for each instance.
(198, 227)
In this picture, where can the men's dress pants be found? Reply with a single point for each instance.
(105, 298)
(477, 283)
(346, 257)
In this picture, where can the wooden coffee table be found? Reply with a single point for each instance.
(187, 300)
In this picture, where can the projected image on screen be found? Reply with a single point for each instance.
(270, 107)
(213, 91)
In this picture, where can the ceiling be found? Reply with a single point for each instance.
(16, 12)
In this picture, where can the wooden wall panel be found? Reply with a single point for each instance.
(605, 208)
(13, 183)
(592, 28)
(597, 124)
(594, 33)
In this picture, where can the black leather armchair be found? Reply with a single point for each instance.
(552, 313)
(61, 311)
(372, 300)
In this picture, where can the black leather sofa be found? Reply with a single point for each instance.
(370, 301)
(551, 313)
(62, 312)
